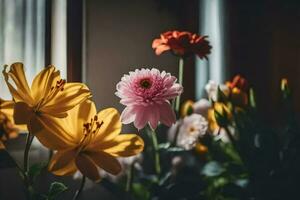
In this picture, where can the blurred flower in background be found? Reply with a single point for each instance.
(8, 130)
(239, 90)
(188, 130)
(212, 88)
(182, 44)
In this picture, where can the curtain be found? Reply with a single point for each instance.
(22, 37)
(211, 24)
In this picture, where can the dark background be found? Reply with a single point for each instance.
(265, 47)
(262, 44)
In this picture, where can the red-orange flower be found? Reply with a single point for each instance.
(182, 44)
(238, 82)
(239, 89)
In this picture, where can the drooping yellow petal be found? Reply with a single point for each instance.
(43, 82)
(63, 163)
(123, 145)
(105, 161)
(22, 91)
(7, 107)
(52, 132)
(87, 167)
(72, 95)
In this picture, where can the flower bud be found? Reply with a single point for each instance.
(285, 89)
(201, 149)
(187, 108)
(223, 114)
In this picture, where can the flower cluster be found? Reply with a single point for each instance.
(63, 118)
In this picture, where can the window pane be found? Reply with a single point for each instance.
(22, 36)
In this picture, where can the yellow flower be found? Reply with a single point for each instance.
(201, 148)
(212, 122)
(8, 130)
(49, 96)
(284, 84)
(90, 141)
(187, 108)
(7, 108)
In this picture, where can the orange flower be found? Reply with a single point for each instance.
(239, 89)
(201, 149)
(238, 82)
(182, 44)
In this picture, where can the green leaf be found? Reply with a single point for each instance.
(176, 149)
(164, 145)
(56, 188)
(140, 192)
(252, 100)
(212, 168)
(221, 96)
(35, 170)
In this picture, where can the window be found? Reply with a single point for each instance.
(22, 36)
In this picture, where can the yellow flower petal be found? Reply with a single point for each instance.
(63, 163)
(22, 91)
(72, 95)
(7, 107)
(111, 126)
(123, 145)
(79, 115)
(43, 82)
(87, 167)
(52, 132)
(106, 162)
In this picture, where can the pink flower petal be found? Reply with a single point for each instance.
(154, 117)
(167, 115)
(141, 118)
(127, 115)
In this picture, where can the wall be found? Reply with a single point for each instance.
(119, 35)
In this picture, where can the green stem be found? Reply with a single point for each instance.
(78, 192)
(130, 176)
(156, 152)
(29, 140)
(234, 143)
(180, 81)
(50, 155)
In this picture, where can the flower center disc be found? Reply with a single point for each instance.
(145, 83)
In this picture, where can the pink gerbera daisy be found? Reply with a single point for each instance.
(146, 93)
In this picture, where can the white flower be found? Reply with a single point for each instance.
(192, 127)
(211, 89)
(201, 107)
